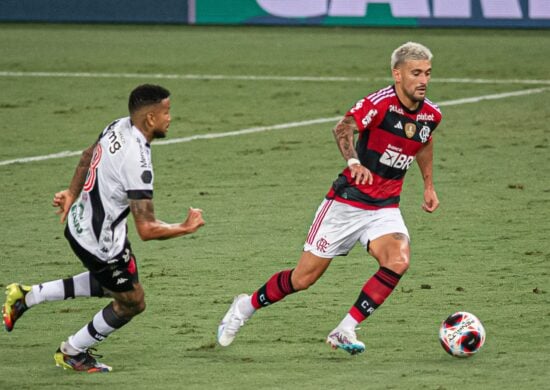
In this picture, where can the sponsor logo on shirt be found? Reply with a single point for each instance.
(393, 157)
(116, 139)
(394, 108)
(425, 117)
(76, 214)
(147, 177)
(367, 119)
(357, 106)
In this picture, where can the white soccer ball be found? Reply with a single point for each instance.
(462, 334)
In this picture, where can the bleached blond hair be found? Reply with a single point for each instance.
(410, 51)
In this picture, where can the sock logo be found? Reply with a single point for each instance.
(366, 306)
(263, 300)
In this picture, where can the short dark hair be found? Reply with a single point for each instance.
(146, 95)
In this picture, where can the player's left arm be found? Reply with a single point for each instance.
(424, 158)
(150, 228)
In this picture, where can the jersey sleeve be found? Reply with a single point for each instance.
(137, 175)
(365, 114)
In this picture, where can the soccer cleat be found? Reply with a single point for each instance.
(85, 361)
(231, 322)
(346, 340)
(15, 305)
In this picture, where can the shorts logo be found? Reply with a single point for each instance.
(322, 245)
(121, 280)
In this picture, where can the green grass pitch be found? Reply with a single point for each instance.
(486, 250)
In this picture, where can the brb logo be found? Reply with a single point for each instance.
(393, 157)
(490, 9)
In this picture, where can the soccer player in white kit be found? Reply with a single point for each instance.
(113, 179)
(395, 126)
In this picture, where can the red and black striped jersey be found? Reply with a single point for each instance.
(390, 136)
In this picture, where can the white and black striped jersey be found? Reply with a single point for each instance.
(120, 170)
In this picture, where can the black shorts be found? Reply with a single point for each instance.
(118, 274)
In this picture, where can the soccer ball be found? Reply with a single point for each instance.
(462, 334)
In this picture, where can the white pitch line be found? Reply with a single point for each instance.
(167, 76)
(280, 126)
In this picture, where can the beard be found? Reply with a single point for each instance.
(417, 99)
(159, 134)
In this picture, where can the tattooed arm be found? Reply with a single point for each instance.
(64, 199)
(344, 135)
(150, 228)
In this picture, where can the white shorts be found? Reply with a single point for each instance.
(338, 226)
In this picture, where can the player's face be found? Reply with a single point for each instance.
(161, 115)
(411, 81)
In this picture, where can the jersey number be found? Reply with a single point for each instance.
(92, 171)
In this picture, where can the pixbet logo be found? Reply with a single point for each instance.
(490, 9)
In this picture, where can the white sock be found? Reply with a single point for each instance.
(102, 325)
(82, 340)
(245, 307)
(49, 291)
(348, 323)
(80, 285)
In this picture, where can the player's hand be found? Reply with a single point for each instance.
(194, 220)
(431, 203)
(361, 174)
(63, 200)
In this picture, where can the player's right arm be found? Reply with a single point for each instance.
(150, 228)
(344, 135)
(64, 199)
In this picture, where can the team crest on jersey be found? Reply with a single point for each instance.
(410, 130)
(425, 134)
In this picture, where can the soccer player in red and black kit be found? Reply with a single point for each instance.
(395, 126)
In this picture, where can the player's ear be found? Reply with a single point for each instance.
(396, 73)
(150, 118)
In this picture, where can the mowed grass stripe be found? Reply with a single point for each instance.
(280, 126)
(165, 76)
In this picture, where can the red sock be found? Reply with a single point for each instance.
(374, 293)
(276, 288)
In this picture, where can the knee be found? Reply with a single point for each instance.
(398, 263)
(139, 307)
